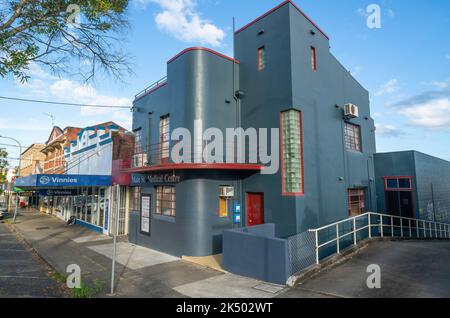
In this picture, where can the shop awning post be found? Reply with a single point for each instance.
(115, 231)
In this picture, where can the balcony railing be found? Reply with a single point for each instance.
(161, 153)
(151, 88)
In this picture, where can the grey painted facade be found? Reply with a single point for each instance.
(430, 186)
(200, 86)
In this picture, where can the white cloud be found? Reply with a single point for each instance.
(388, 88)
(67, 90)
(181, 19)
(429, 114)
(388, 131)
(438, 84)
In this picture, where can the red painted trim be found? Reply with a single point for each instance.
(151, 91)
(278, 7)
(199, 48)
(411, 178)
(283, 192)
(197, 166)
(386, 189)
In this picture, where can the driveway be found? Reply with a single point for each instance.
(408, 269)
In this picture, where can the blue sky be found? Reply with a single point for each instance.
(405, 65)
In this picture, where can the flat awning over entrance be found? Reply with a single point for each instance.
(62, 180)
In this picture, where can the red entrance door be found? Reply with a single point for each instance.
(255, 209)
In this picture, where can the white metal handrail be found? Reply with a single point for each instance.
(429, 229)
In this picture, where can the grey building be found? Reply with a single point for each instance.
(283, 79)
(413, 184)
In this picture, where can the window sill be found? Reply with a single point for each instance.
(165, 218)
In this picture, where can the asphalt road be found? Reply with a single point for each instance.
(411, 269)
(22, 274)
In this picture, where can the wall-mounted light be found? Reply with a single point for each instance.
(261, 32)
(312, 32)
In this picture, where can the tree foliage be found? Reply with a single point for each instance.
(76, 37)
(3, 165)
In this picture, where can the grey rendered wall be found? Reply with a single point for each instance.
(432, 173)
(199, 83)
(289, 82)
(393, 164)
(256, 253)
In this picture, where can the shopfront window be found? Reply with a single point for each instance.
(101, 205)
(165, 200)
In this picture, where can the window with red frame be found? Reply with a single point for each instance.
(356, 202)
(398, 183)
(313, 59)
(165, 200)
(164, 136)
(138, 142)
(352, 137)
(261, 58)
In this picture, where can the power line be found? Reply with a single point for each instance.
(62, 103)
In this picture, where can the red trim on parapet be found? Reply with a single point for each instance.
(199, 48)
(196, 166)
(278, 7)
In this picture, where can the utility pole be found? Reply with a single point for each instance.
(17, 174)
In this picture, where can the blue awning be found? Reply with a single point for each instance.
(63, 180)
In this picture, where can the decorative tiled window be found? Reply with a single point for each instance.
(292, 154)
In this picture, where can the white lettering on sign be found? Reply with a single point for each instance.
(162, 178)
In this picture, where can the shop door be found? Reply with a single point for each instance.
(255, 209)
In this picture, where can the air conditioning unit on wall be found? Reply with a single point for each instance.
(227, 192)
(351, 111)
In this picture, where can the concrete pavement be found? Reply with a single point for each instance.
(23, 274)
(140, 272)
(417, 269)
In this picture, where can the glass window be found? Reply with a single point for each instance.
(165, 200)
(223, 207)
(392, 183)
(292, 156)
(313, 58)
(136, 199)
(261, 58)
(352, 136)
(101, 205)
(404, 183)
(164, 134)
(138, 142)
(356, 202)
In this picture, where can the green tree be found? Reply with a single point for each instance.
(74, 37)
(3, 165)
